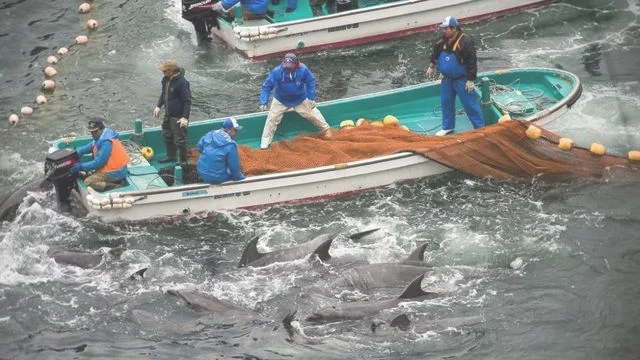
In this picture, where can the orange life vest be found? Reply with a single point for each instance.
(118, 159)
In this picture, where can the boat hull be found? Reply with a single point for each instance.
(147, 196)
(329, 182)
(360, 26)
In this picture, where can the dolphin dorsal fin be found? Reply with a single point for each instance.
(417, 255)
(414, 289)
(361, 234)
(250, 253)
(402, 322)
(323, 250)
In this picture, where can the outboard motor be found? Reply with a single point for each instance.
(201, 16)
(56, 169)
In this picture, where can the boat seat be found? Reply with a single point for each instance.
(142, 175)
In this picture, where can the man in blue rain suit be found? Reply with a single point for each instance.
(219, 160)
(294, 87)
(454, 55)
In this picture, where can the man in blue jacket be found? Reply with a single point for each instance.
(295, 87)
(455, 57)
(110, 158)
(252, 9)
(176, 99)
(219, 160)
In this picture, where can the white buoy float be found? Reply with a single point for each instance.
(52, 60)
(26, 110)
(92, 24)
(13, 119)
(50, 71)
(84, 8)
(48, 85)
(82, 39)
(41, 99)
(63, 51)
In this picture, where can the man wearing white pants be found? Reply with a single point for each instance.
(295, 88)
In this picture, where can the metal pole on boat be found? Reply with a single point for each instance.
(485, 89)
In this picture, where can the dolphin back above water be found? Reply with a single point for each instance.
(403, 323)
(359, 310)
(10, 202)
(82, 259)
(203, 302)
(319, 246)
(383, 275)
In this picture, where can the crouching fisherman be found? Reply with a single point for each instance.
(219, 160)
(110, 158)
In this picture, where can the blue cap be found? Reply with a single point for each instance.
(231, 123)
(449, 21)
(96, 123)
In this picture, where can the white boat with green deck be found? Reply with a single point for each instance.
(528, 94)
(361, 22)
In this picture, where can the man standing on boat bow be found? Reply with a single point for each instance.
(176, 99)
(295, 88)
(454, 55)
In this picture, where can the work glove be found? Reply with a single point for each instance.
(217, 6)
(430, 71)
(469, 86)
(76, 168)
(183, 122)
(156, 112)
(262, 107)
(312, 103)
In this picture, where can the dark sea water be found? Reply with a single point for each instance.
(552, 268)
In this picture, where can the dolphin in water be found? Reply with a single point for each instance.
(383, 275)
(10, 202)
(318, 246)
(82, 259)
(403, 323)
(203, 302)
(359, 310)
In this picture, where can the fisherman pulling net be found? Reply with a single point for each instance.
(501, 151)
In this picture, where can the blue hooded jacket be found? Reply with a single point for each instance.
(103, 143)
(258, 7)
(291, 88)
(219, 160)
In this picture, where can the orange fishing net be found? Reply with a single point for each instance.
(501, 151)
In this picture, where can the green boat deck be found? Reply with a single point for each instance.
(522, 93)
(277, 13)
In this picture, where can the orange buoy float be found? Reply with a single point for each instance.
(48, 85)
(26, 110)
(92, 24)
(533, 132)
(565, 144)
(13, 119)
(63, 51)
(50, 71)
(51, 60)
(82, 40)
(505, 117)
(362, 121)
(41, 99)
(634, 155)
(597, 149)
(84, 8)
(346, 124)
(390, 121)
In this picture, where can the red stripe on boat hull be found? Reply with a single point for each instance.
(398, 34)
